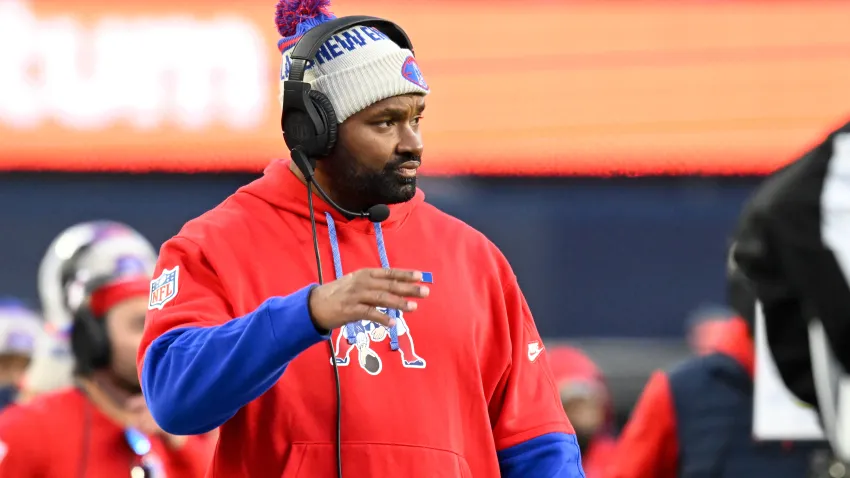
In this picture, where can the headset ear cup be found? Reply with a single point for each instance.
(90, 343)
(298, 130)
(102, 345)
(80, 347)
(326, 111)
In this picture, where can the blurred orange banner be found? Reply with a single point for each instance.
(534, 87)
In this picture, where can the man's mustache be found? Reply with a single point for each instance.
(398, 160)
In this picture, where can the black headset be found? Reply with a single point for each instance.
(89, 338)
(308, 119)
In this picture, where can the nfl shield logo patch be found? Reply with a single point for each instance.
(164, 288)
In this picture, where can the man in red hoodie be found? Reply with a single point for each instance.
(240, 336)
(101, 428)
(588, 405)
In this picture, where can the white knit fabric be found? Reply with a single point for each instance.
(357, 68)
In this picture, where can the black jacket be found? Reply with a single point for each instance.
(787, 246)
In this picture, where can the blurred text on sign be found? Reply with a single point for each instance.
(533, 88)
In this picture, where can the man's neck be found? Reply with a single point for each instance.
(107, 396)
(318, 177)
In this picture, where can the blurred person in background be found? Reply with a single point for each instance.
(696, 420)
(706, 325)
(793, 244)
(587, 402)
(20, 334)
(52, 366)
(101, 427)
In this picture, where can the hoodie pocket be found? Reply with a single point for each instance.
(371, 460)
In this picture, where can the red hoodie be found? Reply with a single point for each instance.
(648, 445)
(573, 369)
(475, 383)
(63, 434)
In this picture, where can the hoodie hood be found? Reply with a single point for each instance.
(571, 366)
(576, 374)
(282, 188)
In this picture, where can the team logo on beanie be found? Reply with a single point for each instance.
(411, 72)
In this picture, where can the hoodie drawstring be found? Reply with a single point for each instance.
(349, 330)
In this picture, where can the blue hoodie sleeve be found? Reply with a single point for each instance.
(196, 378)
(553, 455)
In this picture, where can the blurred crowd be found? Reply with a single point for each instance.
(68, 372)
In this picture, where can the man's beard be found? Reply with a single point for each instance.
(359, 188)
(115, 385)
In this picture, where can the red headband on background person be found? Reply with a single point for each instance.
(569, 364)
(106, 297)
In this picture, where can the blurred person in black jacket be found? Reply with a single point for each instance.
(695, 419)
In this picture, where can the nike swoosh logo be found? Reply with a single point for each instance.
(534, 351)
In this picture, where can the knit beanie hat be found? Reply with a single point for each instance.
(355, 68)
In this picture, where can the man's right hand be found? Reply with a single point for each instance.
(355, 297)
